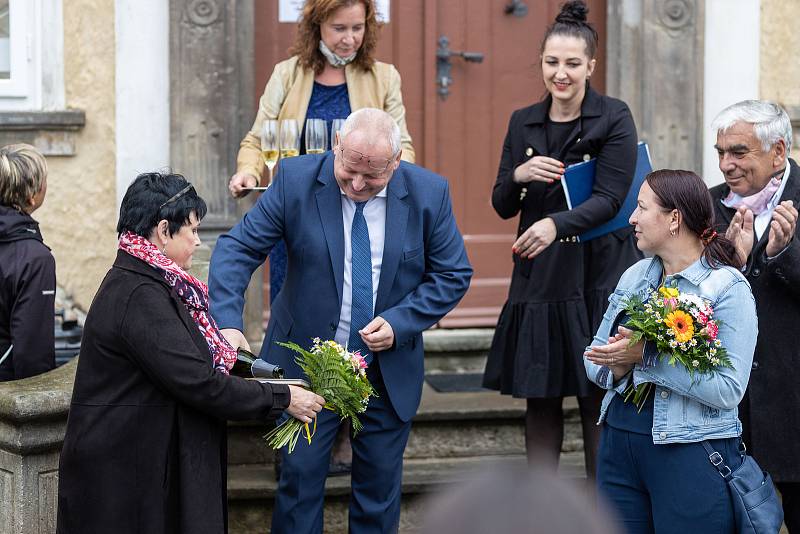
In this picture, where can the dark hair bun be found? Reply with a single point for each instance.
(573, 12)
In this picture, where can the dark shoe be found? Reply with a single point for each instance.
(339, 469)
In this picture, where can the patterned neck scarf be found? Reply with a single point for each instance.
(192, 292)
(333, 59)
(759, 202)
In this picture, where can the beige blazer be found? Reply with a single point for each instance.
(289, 89)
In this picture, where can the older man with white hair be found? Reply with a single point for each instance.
(375, 258)
(756, 206)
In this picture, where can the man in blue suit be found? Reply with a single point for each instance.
(358, 223)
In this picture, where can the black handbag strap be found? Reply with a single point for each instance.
(717, 460)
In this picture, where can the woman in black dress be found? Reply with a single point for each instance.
(560, 286)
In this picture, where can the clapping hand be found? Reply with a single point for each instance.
(618, 355)
(742, 234)
(782, 227)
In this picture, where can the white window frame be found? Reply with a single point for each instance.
(37, 58)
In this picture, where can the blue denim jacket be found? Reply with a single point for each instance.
(688, 409)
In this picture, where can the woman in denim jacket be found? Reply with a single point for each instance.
(651, 464)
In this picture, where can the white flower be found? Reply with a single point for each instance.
(712, 351)
(715, 361)
(660, 337)
(693, 300)
(695, 363)
(693, 342)
(673, 343)
(718, 343)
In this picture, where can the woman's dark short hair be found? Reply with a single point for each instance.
(572, 22)
(152, 197)
(315, 12)
(686, 192)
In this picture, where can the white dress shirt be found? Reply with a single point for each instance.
(375, 215)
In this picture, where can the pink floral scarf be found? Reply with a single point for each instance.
(192, 292)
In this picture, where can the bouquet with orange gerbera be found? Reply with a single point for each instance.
(683, 328)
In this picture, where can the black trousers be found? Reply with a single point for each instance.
(790, 495)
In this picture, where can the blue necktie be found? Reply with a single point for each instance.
(361, 279)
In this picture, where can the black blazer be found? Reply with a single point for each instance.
(770, 409)
(144, 450)
(605, 131)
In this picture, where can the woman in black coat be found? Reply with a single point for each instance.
(145, 447)
(560, 286)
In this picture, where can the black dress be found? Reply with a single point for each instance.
(556, 300)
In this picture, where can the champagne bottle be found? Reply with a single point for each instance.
(248, 365)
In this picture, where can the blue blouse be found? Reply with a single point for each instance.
(327, 102)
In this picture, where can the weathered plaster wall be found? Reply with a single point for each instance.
(780, 42)
(79, 215)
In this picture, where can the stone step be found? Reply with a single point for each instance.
(251, 489)
(447, 425)
(456, 350)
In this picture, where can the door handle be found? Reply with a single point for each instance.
(444, 65)
(516, 8)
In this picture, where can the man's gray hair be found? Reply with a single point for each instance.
(375, 121)
(770, 121)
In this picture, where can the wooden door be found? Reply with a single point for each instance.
(461, 136)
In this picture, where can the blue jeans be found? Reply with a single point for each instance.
(669, 488)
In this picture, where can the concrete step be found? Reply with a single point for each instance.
(447, 425)
(456, 350)
(251, 489)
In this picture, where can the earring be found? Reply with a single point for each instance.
(673, 233)
(164, 248)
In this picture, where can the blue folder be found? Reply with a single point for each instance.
(578, 182)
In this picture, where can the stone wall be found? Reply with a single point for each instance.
(780, 41)
(33, 418)
(779, 68)
(79, 215)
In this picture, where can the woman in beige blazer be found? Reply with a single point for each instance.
(335, 44)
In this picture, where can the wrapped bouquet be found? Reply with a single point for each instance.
(335, 374)
(683, 329)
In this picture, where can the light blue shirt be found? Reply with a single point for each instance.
(688, 409)
(375, 215)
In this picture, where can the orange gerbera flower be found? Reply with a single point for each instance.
(681, 324)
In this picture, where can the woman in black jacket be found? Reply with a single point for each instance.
(145, 447)
(559, 287)
(27, 268)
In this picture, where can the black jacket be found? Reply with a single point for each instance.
(27, 297)
(145, 446)
(605, 130)
(770, 410)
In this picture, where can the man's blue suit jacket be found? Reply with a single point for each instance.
(424, 274)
